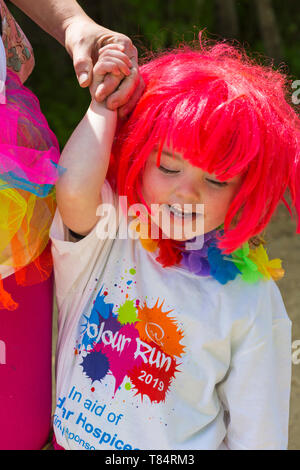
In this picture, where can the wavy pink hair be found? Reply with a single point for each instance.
(224, 113)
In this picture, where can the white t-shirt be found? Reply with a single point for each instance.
(159, 358)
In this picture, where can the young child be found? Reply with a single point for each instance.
(166, 342)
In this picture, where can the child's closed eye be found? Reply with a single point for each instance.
(217, 183)
(167, 170)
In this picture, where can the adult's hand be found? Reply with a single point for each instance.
(66, 21)
(83, 40)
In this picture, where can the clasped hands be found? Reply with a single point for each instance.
(107, 62)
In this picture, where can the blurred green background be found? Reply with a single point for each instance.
(269, 27)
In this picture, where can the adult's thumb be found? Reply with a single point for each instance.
(83, 66)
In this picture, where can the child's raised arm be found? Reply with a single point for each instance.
(86, 154)
(86, 158)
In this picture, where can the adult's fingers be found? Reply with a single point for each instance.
(121, 60)
(109, 84)
(126, 89)
(117, 38)
(127, 107)
(83, 66)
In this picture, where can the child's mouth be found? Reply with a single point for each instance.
(176, 211)
(180, 221)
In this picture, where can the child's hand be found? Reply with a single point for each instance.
(112, 63)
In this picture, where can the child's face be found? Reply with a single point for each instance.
(177, 182)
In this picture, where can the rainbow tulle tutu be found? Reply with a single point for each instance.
(29, 153)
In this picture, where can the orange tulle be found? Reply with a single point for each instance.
(37, 271)
(6, 300)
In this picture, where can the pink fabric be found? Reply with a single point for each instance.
(28, 147)
(25, 367)
(55, 445)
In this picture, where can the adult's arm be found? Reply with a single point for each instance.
(66, 21)
(52, 15)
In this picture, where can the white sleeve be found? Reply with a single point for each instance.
(256, 389)
(73, 260)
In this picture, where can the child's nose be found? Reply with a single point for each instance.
(189, 192)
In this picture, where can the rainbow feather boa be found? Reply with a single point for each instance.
(251, 263)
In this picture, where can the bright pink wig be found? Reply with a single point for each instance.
(224, 113)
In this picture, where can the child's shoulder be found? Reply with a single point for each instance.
(251, 301)
(256, 316)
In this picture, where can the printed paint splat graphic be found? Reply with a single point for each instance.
(155, 325)
(154, 376)
(139, 341)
